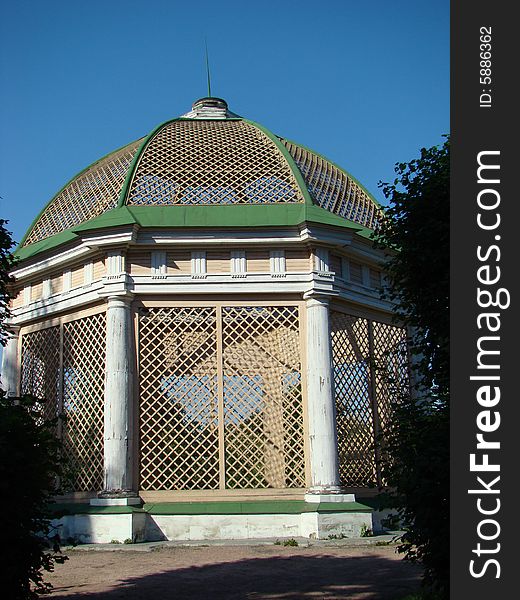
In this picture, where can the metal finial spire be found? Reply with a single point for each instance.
(207, 68)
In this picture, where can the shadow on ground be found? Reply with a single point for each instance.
(289, 578)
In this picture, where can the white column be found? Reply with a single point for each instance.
(119, 401)
(325, 485)
(10, 364)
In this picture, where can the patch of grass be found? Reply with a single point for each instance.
(128, 541)
(115, 542)
(365, 531)
(289, 542)
(336, 536)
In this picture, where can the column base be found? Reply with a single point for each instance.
(333, 493)
(116, 498)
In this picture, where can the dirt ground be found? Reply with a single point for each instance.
(236, 572)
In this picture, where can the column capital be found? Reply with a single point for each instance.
(12, 331)
(122, 299)
(315, 298)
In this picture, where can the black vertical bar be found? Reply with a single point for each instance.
(484, 38)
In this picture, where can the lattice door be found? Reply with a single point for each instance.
(40, 369)
(221, 403)
(390, 367)
(263, 416)
(354, 417)
(370, 372)
(178, 412)
(84, 353)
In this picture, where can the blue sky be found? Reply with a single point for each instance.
(365, 84)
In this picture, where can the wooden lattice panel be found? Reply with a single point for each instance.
(354, 413)
(212, 162)
(390, 366)
(91, 193)
(70, 377)
(332, 188)
(221, 400)
(263, 416)
(370, 373)
(84, 351)
(40, 369)
(179, 405)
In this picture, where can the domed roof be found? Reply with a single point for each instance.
(209, 156)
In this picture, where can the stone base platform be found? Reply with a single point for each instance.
(186, 521)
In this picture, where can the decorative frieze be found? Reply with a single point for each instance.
(67, 280)
(238, 263)
(277, 263)
(321, 260)
(198, 264)
(88, 272)
(158, 264)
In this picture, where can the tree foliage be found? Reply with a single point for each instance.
(415, 234)
(29, 467)
(6, 263)
(416, 226)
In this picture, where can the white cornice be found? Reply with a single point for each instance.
(362, 295)
(188, 237)
(51, 262)
(308, 283)
(131, 237)
(57, 303)
(110, 238)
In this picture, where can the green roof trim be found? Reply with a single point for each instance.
(112, 218)
(207, 216)
(236, 215)
(22, 253)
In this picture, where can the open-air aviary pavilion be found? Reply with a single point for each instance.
(202, 307)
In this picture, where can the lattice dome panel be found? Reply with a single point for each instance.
(263, 413)
(212, 162)
(332, 188)
(40, 369)
(354, 417)
(88, 195)
(84, 352)
(179, 405)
